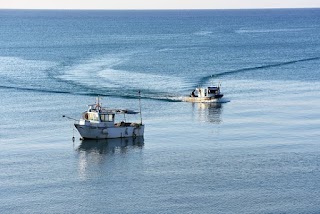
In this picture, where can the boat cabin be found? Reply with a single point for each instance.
(97, 114)
(104, 117)
(213, 90)
(206, 92)
(98, 117)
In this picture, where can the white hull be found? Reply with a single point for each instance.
(202, 99)
(209, 94)
(95, 132)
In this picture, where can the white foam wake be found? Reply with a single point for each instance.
(101, 72)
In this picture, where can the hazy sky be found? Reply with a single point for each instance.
(155, 4)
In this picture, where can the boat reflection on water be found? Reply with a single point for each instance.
(208, 112)
(103, 146)
(98, 157)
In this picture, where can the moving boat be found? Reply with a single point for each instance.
(205, 94)
(99, 123)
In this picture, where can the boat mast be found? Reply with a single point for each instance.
(98, 103)
(140, 108)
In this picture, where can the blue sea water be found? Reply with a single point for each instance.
(258, 153)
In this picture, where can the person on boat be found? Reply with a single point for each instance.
(193, 94)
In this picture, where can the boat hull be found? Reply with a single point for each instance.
(201, 99)
(95, 132)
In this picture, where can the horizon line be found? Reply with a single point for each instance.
(140, 9)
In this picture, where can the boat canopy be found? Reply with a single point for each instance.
(122, 111)
(102, 110)
(213, 88)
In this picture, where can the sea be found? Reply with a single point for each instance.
(257, 151)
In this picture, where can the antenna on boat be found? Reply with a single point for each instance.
(140, 107)
(98, 100)
(98, 103)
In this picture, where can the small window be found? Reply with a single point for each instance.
(93, 116)
(102, 117)
(111, 117)
(106, 117)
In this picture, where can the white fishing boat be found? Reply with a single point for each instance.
(205, 94)
(99, 123)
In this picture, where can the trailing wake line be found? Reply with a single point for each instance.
(163, 97)
(204, 79)
(128, 96)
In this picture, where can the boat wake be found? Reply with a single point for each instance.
(106, 75)
(227, 73)
(242, 31)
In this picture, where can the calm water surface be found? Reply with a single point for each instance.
(258, 153)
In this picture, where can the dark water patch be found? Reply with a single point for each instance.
(34, 89)
(98, 93)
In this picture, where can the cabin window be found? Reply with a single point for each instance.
(103, 117)
(111, 117)
(106, 117)
(93, 117)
